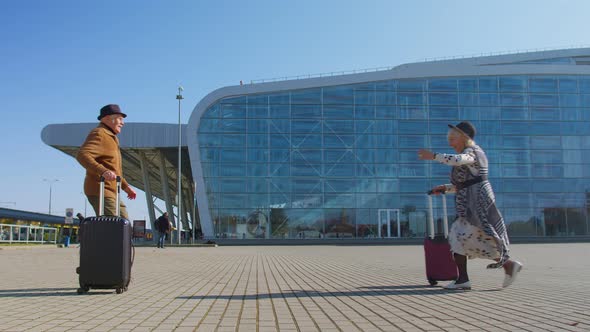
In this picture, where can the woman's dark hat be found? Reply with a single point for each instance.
(110, 109)
(465, 128)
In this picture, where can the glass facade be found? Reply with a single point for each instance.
(341, 161)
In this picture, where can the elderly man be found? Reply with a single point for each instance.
(100, 155)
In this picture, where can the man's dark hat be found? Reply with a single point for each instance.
(110, 109)
(465, 128)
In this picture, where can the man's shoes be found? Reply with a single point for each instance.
(455, 286)
(509, 279)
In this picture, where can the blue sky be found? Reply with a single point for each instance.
(60, 61)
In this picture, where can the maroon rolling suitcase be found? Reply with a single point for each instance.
(437, 251)
(106, 250)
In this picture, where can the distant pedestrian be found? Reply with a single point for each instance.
(163, 227)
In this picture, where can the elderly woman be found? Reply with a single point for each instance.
(479, 230)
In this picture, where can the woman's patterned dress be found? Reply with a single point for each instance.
(479, 230)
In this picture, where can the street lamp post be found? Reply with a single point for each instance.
(179, 222)
(51, 182)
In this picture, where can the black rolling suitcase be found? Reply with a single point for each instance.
(106, 250)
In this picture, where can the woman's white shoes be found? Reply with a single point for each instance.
(455, 286)
(508, 280)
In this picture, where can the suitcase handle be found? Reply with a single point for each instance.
(431, 215)
(101, 199)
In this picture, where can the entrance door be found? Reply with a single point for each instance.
(388, 223)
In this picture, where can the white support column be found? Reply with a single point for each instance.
(147, 188)
(166, 191)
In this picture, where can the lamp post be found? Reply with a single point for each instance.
(179, 222)
(51, 182)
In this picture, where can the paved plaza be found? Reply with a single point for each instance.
(295, 288)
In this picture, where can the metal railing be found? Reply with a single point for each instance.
(27, 234)
(357, 71)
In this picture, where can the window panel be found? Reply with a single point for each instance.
(515, 171)
(467, 99)
(574, 171)
(513, 100)
(279, 99)
(258, 170)
(412, 170)
(548, 85)
(339, 169)
(306, 156)
(547, 171)
(386, 156)
(306, 111)
(412, 112)
(306, 126)
(515, 157)
(569, 85)
(386, 170)
(442, 85)
(257, 141)
(442, 99)
(312, 96)
(517, 186)
(408, 98)
(413, 186)
(280, 111)
(305, 185)
(338, 126)
(385, 98)
(544, 113)
(258, 155)
(411, 85)
(513, 84)
(257, 111)
(338, 141)
(364, 97)
(467, 84)
(443, 113)
(233, 111)
(488, 84)
(567, 100)
(280, 126)
(545, 142)
(307, 141)
(209, 155)
(412, 141)
(279, 170)
(232, 185)
(233, 169)
(257, 126)
(338, 111)
(516, 142)
(385, 112)
(364, 112)
(546, 156)
(338, 95)
(348, 185)
(515, 113)
(306, 170)
(544, 100)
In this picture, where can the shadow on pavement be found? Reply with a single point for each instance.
(39, 292)
(370, 291)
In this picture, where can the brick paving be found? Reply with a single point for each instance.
(295, 288)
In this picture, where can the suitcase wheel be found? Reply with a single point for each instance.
(432, 282)
(119, 290)
(83, 290)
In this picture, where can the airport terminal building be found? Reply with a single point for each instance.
(336, 156)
